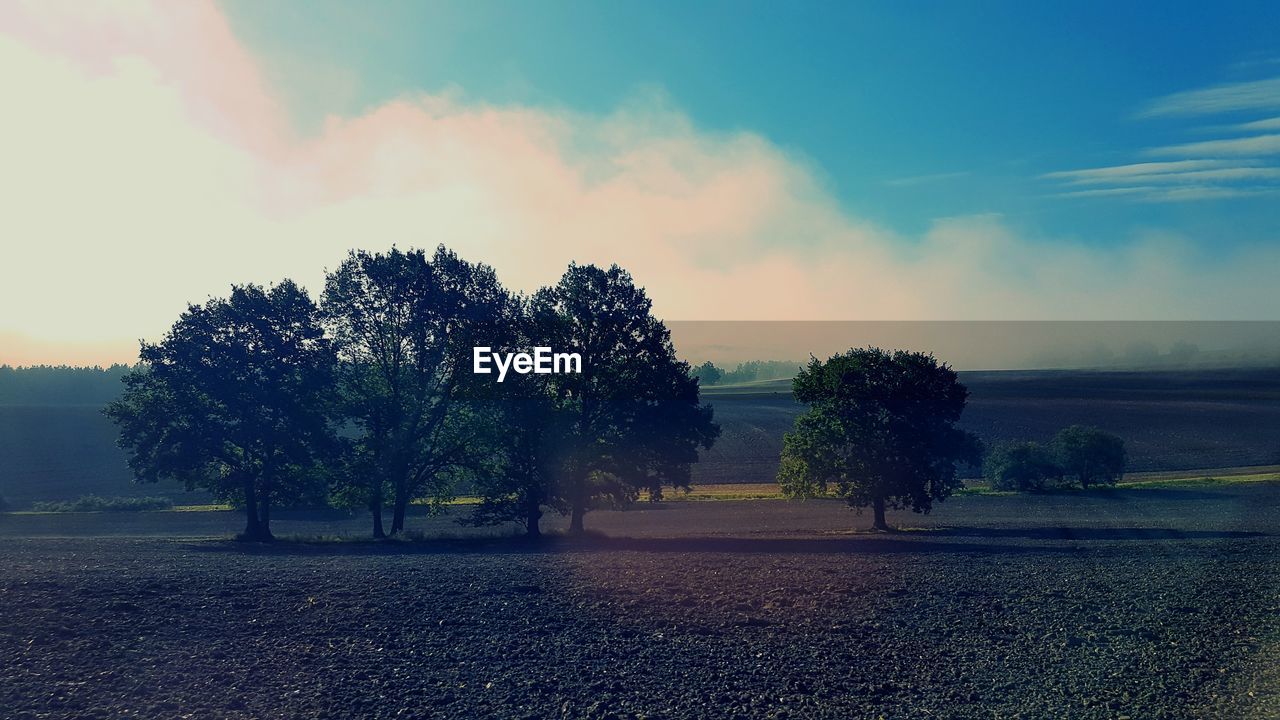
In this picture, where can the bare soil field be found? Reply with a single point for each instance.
(1157, 603)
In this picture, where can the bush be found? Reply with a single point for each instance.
(1023, 467)
(1089, 455)
(94, 503)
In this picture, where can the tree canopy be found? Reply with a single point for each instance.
(235, 399)
(632, 419)
(707, 373)
(404, 324)
(881, 428)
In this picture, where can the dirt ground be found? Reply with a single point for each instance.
(1145, 603)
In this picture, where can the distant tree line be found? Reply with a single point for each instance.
(1079, 455)
(60, 384)
(708, 373)
(366, 398)
(96, 503)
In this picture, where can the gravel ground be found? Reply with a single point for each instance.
(1146, 604)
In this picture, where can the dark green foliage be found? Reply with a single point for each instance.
(235, 399)
(404, 324)
(1090, 456)
(707, 374)
(880, 428)
(631, 421)
(1026, 466)
(95, 503)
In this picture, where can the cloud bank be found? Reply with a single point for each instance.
(148, 163)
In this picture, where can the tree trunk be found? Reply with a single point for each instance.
(398, 506)
(877, 506)
(533, 513)
(375, 507)
(577, 502)
(264, 521)
(252, 530)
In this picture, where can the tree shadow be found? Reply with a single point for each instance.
(885, 544)
(1121, 493)
(1090, 533)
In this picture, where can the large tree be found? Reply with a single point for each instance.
(234, 399)
(632, 419)
(404, 324)
(880, 428)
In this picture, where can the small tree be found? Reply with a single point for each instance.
(234, 400)
(1025, 466)
(1089, 455)
(881, 428)
(707, 374)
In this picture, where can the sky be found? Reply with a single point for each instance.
(746, 161)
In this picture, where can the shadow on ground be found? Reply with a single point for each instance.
(911, 543)
(1089, 533)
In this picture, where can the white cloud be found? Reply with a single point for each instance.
(1256, 145)
(1229, 97)
(1259, 125)
(1124, 173)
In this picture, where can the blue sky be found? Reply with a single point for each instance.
(745, 161)
(908, 111)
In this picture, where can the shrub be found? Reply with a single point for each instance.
(94, 503)
(1089, 455)
(1023, 467)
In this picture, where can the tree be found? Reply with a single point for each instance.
(404, 325)
(632, 419)
(1021, 466)
(529, 440)
(881, 428)
(1089, 455)
(234, 399)
(707, 373)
